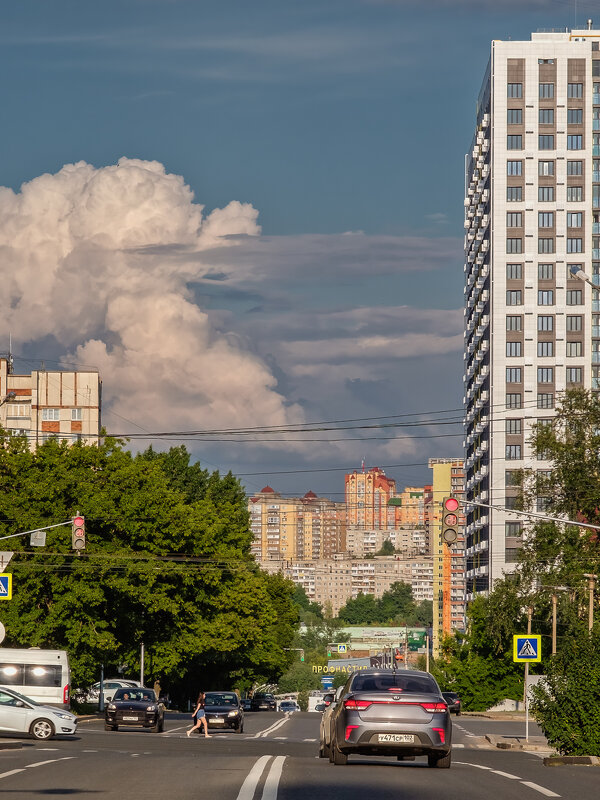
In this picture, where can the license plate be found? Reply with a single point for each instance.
(217, 720)
(130, 719)
(395, 737)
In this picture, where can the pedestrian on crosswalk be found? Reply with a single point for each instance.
(199, 716)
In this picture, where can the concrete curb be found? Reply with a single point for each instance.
(535, 743)
(582, 761)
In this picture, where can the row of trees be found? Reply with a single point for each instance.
(167, 563)
(395, 607)
(555, 560)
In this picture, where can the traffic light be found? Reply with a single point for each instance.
(78, 534)
(450, 508)
(301, 655)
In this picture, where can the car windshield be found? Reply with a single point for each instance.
(24, 698)
(393, 682)
(219, 699)
(139, 695)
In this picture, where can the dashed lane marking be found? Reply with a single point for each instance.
(540, 789)
(535, 786)
(11, 772)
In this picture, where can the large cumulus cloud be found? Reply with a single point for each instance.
(87, 256)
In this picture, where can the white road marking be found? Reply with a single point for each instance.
(41, 763)
(272, 728)
(252, 778)
(309, 740)
(89, 751)
(281, 738)
(540, 789)
(506, 775)
(477, 766)
(48, 749)
(11, 772)
(455, 746)
(273, 777)
(172, 730)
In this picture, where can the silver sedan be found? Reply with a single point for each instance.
(382, 712)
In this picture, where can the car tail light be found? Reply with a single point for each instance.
(66, 694)
(433, 707)
(442, 734)
(357, 703)
(349, 729)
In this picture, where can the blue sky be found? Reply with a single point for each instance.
(341, 124)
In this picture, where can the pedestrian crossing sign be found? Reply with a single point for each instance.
(342, 648)
(6, 586)
(527, 647)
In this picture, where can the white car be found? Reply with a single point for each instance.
(92, 695)
(20, 714)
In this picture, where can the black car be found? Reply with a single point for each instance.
(264, 702)
(134, 707)
(453, 702)
(223, 710)
(246, 703)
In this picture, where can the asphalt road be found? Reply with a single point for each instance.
(276, 758)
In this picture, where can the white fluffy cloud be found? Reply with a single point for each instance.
(80, 253)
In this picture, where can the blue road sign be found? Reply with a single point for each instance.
(6, 586)
(527, 647)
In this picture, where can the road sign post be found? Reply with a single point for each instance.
(527, 649)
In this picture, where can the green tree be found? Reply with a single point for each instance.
(386, 549)
(360, 610)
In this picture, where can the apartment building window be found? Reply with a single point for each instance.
(574, 167)
(574, 349)
(513, 400)
(513, 530)
(514, 193)
(514, 298)
(513, 349)
(542, 503)
(546, 141)
(574, 323)
(514, 167)
(514, 90)
(574, 219)
(511, 478)
(546, 91)
(545, 219)
(51, 414)
(514, 246)
(513, 374)
(574, 297)
(545, 272)
(513, 323)
(546, 297)
(574, 375)
(546, 116)
(545, 323)
(545, 400)
(545, 374)
(513, 452)
(514, 427)
(514, 142)
(545, 349)
(574, 194)
(514, 219)
(574, 245)
(574, 116)
(545, 168)
(514, 116)
(546, 245)
(77, 414)
(574, 90)
(514, 272)
(546, 194)
(575, 142)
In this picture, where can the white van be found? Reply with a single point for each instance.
(42, 675)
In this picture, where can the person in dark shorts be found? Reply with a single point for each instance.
(200, 717)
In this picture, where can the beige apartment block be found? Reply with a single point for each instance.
(292, 527)
(367, 499)
(407, 541)
(50, 403)
(332, 582)
(410, 507)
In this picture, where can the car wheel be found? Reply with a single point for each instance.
(108, 727)
(42, 729)
(240, 728)
(155, 728)
(339, 759)
(441, 762)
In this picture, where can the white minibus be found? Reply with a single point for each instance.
(42, 675)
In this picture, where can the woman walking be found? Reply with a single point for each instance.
(200, 717)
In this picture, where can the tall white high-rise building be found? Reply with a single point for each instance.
(532, 219)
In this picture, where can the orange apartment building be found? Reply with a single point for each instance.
(367, 496)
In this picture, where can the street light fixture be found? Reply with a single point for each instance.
(10, 396)
(577, 272)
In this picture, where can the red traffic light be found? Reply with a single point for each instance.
(451, 504)
(78, 522)
(78, 533)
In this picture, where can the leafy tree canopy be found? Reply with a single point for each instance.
(395, 607)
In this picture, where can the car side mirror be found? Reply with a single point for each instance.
(20, 703)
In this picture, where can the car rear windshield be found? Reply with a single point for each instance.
(214, 699)
(384, 683)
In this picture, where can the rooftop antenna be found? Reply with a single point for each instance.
(589, 24)
(9, 360)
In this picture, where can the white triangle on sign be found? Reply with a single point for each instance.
(527, 650)
(5, 557)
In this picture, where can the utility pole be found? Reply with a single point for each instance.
(591, 587)
(525, 693)
(554, 598)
